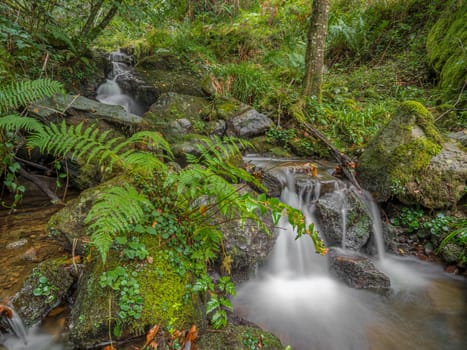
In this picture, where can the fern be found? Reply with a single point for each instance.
(22, 93)
(91, 145)
(113, 214)
(15, 122)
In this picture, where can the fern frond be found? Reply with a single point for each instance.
(143, 162)
(21, 93)
(114, 213)
(15, 122)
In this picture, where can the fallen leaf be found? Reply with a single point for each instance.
(151, 334)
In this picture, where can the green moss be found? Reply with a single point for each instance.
(401, 151)
(163, 291)
(239, 338)
(446, 46)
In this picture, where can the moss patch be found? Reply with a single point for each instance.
(446, 44)
(400, 152)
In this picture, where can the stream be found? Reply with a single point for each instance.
(293, 294)
(295, 297)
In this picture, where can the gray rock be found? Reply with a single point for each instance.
(248, 124)
(329, 214)
(357, 271)
(92, 109)
(452, 253)
(460, 136)
(246, 246)
(56, 281)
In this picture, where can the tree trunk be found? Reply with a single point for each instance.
(314, 59)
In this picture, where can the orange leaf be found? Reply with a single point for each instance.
(110, 347)
(153, 345)
(6, 310)
(193, 333)
(154, 224)
(151, 334)
(203, 209)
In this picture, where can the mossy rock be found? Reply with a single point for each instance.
(400, 153)
(239, 338)
(43, 290)
(446, 46)
(162, 289)
(68, 223)
(171, 108)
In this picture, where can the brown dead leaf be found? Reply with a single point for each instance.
(151, 334)
(110, 347)
(6, 310)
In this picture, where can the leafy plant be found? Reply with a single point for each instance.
(410, 218)
(45, 289)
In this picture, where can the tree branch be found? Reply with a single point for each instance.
(41, 185)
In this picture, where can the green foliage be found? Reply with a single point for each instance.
(113, 214)
(44, 289)
(458, 235)
(446, 46)
(124, 284)
(410, 218)
(22, 93)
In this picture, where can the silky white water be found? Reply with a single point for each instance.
(295, 297)
(110, 92)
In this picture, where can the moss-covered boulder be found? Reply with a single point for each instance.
(43, 290)
(155, 282)
(399, 155)
(446, 44)
(176, 114)
(68, 223)
(235, 337)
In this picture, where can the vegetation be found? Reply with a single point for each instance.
(382, 58)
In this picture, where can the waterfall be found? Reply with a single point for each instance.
(295, 296)
(110, 92)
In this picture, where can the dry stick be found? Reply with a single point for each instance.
(47, 170)
(343, 160)
(41, 185)
(455, 104)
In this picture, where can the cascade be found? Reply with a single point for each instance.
(110, 92)
(295, 296)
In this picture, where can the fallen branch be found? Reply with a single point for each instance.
(454, 105)
(41, 185)
(344, 161)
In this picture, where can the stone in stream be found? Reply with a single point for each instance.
(43, 290)
(248, 124)
(357, 271)
(330, 209)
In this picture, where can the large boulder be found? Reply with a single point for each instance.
(406, 160)
(154, 282)
(335, 209)
(175, 114)
(91, 109)
(357, 271)
(248, 124)
(43, 290)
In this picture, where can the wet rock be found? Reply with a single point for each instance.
(246, 246)
(357, 271)
(17, 244)
(92, 109)
(460, 136)
(452, 253)
(248, 124)
(236, 337)
(43, 290)
(329, 214)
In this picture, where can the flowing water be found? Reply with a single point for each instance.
(110, 92)
(294, 296)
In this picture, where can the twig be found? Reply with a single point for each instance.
(41, 185)
(454, 105)
(67, 182)
(47, 170)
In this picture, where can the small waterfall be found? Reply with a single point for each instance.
(16, 326)
(110, 92)
(294, 295)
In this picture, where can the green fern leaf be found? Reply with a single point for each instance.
(15, 122)
(22, 93)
